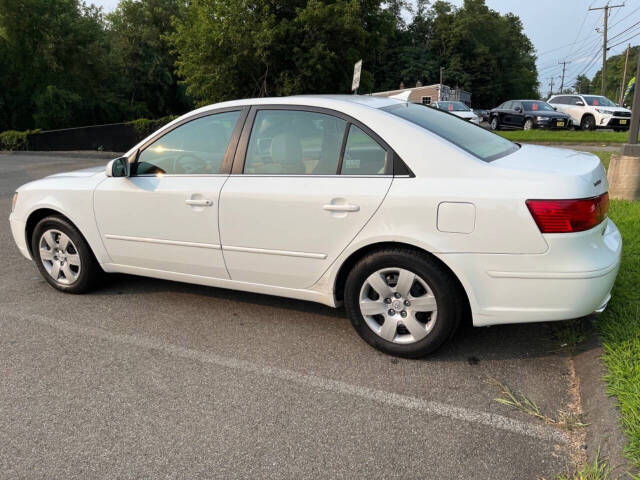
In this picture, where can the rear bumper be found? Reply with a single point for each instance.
(572, 279)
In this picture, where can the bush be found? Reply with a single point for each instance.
(144, 127)
(15, 140)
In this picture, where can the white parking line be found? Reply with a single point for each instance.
(542, 432)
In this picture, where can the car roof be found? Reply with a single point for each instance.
(311, 100)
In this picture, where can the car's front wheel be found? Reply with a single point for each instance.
(588, 123)
(495, 124)
(402, 302)
(528, 124)
(63, 256)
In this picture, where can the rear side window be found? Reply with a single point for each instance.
(294, 142)
(476, 140)
(194, 148)
(363, 155)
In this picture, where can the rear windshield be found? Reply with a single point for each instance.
(471, 138)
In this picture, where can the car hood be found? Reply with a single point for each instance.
(85, 172)
(464, 114)
(613, 109)
(538, 113)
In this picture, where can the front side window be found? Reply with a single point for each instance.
(574, 100)
(194, 148)
(476, 140)
(294, 142)
(363, 155)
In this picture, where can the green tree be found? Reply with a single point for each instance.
(582, 84)
(141, 54)
(614, 72)
(235, 49)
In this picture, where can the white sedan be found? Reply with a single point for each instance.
(459, 109)
(410, 217)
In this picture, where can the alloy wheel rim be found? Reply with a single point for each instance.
(59, 256)
(398, 305)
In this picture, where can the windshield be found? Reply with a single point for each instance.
(453, 106)
(598, 101)
(537, 107)
(471, 138)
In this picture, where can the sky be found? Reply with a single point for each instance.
(560, 30)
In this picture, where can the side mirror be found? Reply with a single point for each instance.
(118, 167)
(518, 109)
(579, 103)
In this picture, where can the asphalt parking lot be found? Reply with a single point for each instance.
(146, 378)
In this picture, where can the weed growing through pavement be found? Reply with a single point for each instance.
(521, 402)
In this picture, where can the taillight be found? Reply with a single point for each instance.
(566, 216)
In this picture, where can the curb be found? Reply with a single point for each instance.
(604, 432)
(67, 154)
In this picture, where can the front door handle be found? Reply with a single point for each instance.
(341, 208)
(199, 203)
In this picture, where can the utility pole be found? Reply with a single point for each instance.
(551, 86)
(564, 65)
(624, 76)
(605, 20)
(440, 89)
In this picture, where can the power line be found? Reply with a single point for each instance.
(625, 30)
(624, 41)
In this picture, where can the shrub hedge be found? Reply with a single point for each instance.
(15, 140)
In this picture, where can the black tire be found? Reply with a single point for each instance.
(451, 303)
(89, 272)
(588, 123)
(528, 124)
(494, 124)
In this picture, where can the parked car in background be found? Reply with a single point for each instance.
(322, 198)
(482, 114)
(459, 109)
(592, 111)
(527, 114)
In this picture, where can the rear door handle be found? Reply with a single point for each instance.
(341, 208)
(199, 203)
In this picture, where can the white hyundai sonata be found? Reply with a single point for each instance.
(411, 217)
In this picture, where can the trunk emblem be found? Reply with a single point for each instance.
(595, 184)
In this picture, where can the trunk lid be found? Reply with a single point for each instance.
(559, 163)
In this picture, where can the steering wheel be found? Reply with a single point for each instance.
(189, 163)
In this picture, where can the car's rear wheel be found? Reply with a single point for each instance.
(63, 256)
(528, 124)
(588, 123)
(402, 302)
(495, 124)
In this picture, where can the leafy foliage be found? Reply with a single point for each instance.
(613, 74)
(14, 140)
(65, 63)
(145, 127)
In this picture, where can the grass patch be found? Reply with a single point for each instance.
(599, 469)
(519, 401)
(565, 136)
(619, 326)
